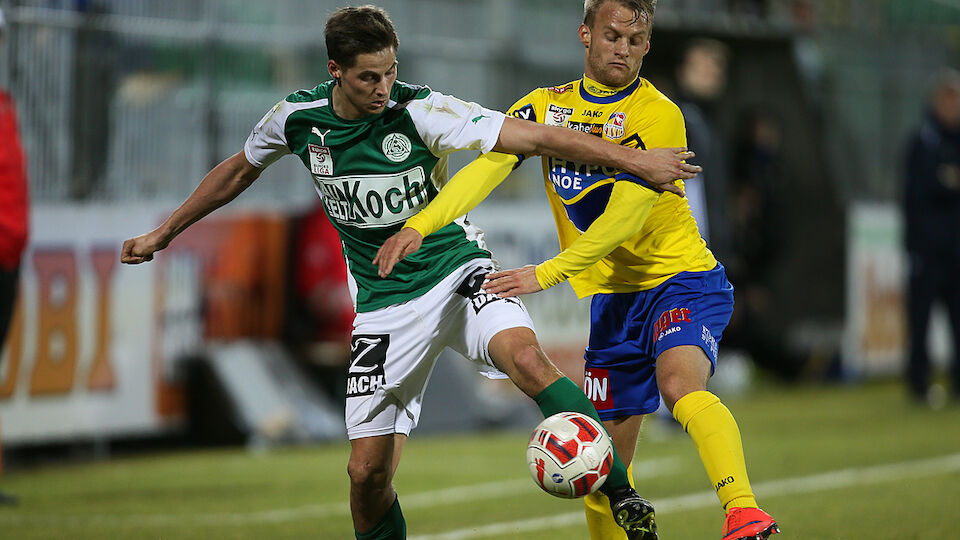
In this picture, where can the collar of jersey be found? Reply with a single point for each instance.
(363, 119)
(620, 92)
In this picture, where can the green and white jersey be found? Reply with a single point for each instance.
(375, 172)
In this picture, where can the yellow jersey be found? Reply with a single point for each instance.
(650, 250)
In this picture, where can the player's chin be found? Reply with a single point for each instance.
(620, 74)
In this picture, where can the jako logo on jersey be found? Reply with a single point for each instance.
(596, 385)
(374, 200)
(557, 115)
(672, 316)
(613, 129)
(471, 289)
(561, 89)
(525, 113)
(396, 146)
(368, 352)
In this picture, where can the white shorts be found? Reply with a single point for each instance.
(394, 349)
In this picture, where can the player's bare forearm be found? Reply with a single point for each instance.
(513, 282)
(660, 167)
(395, 249)
(220, 186)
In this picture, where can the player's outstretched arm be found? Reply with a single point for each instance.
(660, 167)
(627, 210)
(218, 187)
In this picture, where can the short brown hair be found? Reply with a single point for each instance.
(639, 7)
(351, 31)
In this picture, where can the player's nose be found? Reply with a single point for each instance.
(621, 48)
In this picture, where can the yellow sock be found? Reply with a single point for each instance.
(599, 516)
(717, 437)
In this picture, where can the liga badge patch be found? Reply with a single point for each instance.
(321, 160)
(613, 129)
(557, 116)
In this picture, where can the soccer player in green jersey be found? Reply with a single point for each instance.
(377, 152)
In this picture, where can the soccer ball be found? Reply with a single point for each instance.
(569, 455)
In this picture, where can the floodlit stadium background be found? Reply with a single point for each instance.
(125, 104)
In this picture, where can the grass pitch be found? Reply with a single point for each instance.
(828, 462)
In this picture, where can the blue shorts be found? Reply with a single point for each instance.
(628, 331)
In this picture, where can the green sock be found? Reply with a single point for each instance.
(563, 396)
(391, 527)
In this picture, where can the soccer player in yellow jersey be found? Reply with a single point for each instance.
(660, 298)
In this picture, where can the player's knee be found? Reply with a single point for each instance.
(674, 387)
(531, 370)
(532, 363)
(368, 475)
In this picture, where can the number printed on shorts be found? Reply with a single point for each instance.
(368, 352)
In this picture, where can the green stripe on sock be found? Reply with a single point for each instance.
(562, 396)
(391, 527)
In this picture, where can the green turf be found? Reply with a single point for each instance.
(789, 434)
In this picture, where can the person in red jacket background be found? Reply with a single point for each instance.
(13, 218)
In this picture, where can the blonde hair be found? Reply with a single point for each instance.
(639, 7)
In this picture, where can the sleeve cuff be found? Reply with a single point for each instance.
(548, 275)
(420, 224)
(497, 119)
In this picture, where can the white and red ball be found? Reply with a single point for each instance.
(569, 455)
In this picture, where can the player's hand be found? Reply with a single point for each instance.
(395, 249)
(141, 248)
(663, 166)
(513, 282)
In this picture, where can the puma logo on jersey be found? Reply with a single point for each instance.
(477, 118)
(323, 135)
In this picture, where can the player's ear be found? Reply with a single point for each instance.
(334, 70)
(584, 34)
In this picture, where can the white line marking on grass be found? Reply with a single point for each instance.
(805, 484)
(428, 499)
(642, 470)
(878, 474)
